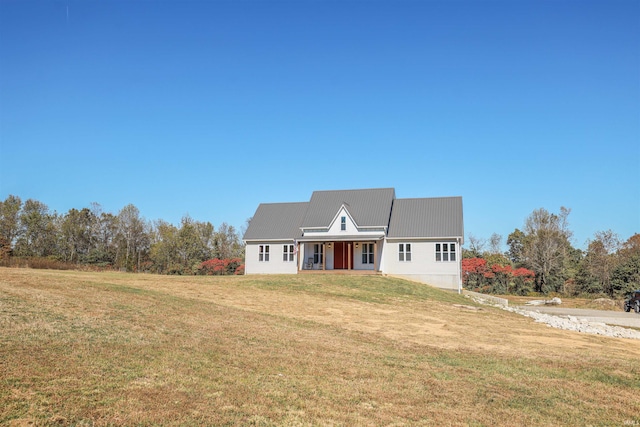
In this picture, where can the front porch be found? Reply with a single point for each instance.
(358, 256)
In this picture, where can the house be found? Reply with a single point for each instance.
(366, 231)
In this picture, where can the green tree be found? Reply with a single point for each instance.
(163, 251)
(9, 223)
(192, 241)
(516, 242)
(625, 277)
(104, 232)
(38, 230)
(75, 234)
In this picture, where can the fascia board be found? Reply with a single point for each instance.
(341, 238)
(425, 238)
(382, 228)
(267, 240)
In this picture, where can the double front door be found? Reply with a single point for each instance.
(343, 256)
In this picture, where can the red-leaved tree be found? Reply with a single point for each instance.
(473, 272)
(497, 279)
(218, 267)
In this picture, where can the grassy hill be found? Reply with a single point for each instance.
(123, 349)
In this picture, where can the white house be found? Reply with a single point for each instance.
(368, 231)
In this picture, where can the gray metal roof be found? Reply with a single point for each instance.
(428, 217)
(274, 221)
(369, 208)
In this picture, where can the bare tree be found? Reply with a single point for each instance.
(601, 260)
(133, 233)
(476, 245)
(495, 243)
(226, 242)
(545, 246)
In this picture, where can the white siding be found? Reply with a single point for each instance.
(275, 265)
(335, 229)
(423, 266)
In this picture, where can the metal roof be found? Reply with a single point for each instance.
(439, 217)
(368, 208)
(427, 217)
(274, 221)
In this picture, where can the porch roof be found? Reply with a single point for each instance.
(328, 239)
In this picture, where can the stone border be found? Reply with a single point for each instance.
(571, 323)
(496, 300)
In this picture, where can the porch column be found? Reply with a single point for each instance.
(349, 245)
(324, 256)
(298, 255)
(375, 256)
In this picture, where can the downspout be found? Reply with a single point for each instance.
(459, 265)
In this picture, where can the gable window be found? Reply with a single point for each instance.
(445, 251)
(367, 253)
(318, 254)
(343, 223)
(263, 253)
(287, 253)
(404, 252)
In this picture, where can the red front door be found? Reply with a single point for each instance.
(342, 256)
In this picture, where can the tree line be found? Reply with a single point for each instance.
(541, 259)
(122, 241)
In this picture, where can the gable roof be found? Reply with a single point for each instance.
(368, 208)
(428, 217)
(276, 221)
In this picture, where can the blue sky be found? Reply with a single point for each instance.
(209, 108)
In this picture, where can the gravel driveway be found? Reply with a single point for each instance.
(619, 318)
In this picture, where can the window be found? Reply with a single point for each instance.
(367, 253)
(404, 252)
(287, 253)
(445, 251)
(343, 223)
(318, 254)
(263, 254)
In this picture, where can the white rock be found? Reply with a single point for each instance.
(571, 322)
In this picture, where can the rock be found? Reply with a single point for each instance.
(604, 302)
(571, 323)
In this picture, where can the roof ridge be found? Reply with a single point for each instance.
(355, 189)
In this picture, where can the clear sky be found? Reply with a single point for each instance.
(209, 108)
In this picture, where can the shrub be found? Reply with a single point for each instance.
(220, 267)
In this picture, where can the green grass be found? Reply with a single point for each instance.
(361, 288)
